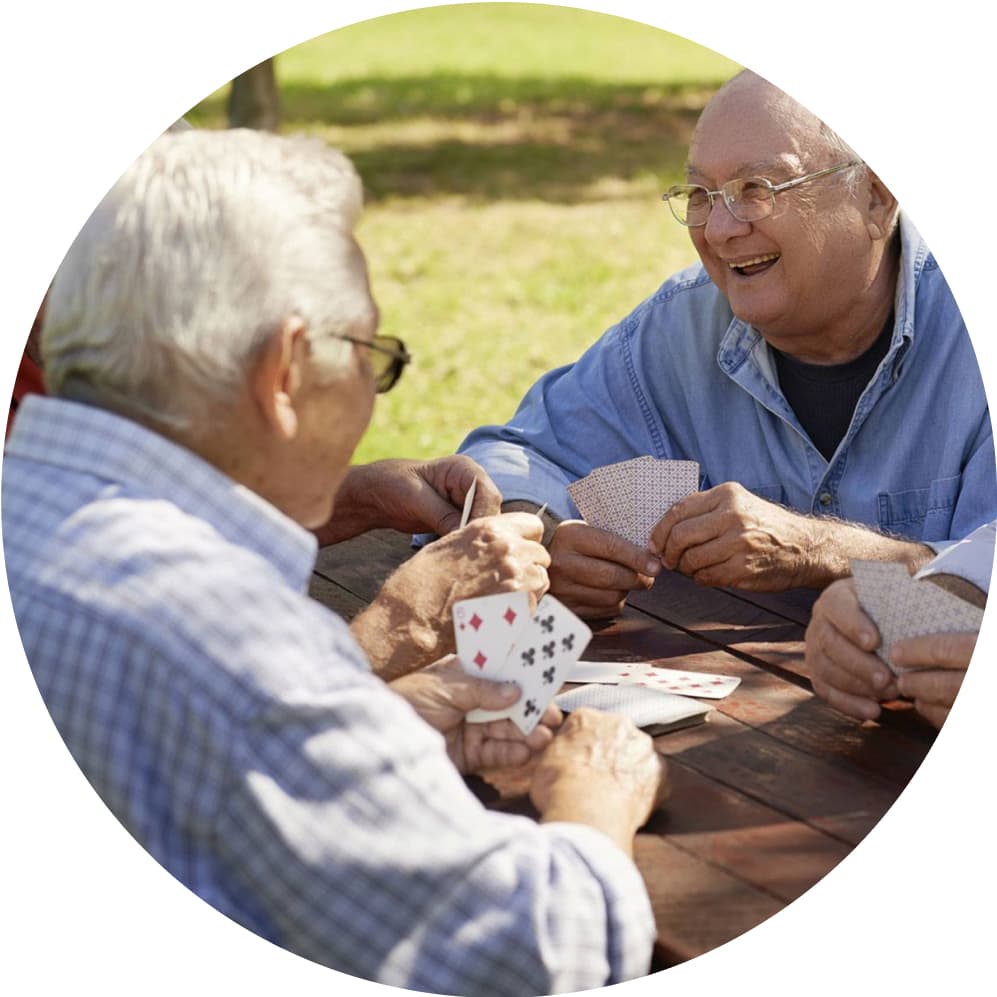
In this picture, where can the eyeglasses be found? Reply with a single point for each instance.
(387, 359)
(748, 199)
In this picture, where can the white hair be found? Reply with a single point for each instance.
(194, 259)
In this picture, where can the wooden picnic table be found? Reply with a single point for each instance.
(767, 797)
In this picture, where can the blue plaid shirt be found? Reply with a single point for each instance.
(234, 727)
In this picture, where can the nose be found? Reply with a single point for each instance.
(721, 225)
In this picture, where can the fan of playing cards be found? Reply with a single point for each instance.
(902, 606)
(499, 639)
(629, 498)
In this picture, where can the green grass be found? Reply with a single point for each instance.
(513, 156)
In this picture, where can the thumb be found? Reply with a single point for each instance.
(492, 695)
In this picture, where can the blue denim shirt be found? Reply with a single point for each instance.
(682, 377)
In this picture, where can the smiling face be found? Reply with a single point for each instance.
(813, 278)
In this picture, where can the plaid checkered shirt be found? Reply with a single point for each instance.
(234, 727)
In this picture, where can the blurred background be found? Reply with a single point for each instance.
(513, 158)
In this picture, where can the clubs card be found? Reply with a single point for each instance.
(542, 656)
(702, 685)
(653, 711)
(485, 629)
(901, 606)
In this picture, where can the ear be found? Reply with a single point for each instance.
(882, 208)
(277, 376)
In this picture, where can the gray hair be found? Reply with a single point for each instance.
(193, 260)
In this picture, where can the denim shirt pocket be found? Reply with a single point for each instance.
(774, 493)
(920, 513)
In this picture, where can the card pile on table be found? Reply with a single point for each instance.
(630, 497)
(499, 639)
(652, 710)
(902, 606)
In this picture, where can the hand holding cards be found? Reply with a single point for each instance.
(629, 498)
(902, 606)
(497, 638)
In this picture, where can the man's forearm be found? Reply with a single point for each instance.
(834, 544)
(605, 807)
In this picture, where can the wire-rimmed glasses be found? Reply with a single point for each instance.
(748, 199)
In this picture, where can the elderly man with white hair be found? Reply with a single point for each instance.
(814, 363)
(211, 353)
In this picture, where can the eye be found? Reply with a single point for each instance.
(753, 190)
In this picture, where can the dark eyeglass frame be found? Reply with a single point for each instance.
(731, 190)
(386, 372)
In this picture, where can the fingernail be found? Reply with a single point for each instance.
(510, 691)
(880, 679)
(868, 639)
(653, 566)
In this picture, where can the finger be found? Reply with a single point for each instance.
(487, 497)
(693, 531)
(952, 651)
(601, 545)
(931, 686)
(934, 713)
(528, 526)
(689, 508)
(486, 695)
(840, 605)
(859, 707)
(831, 657)
(584, 600)
(503, 754)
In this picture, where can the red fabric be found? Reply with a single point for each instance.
(28, 382)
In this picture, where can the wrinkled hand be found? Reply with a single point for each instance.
(409, 496)
(592, 570)
(409, 623)
(602, 771)
(839, 657)
(442, 694)
(940, 661)
(727, 536)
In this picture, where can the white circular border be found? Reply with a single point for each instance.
(89, 86)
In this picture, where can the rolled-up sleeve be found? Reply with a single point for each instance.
(361, 848)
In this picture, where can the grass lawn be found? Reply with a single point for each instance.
(513, 156)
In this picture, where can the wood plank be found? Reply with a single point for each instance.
(697, 906)
(786, 711)
(838, 799)
(722, 619)
(335, 597)
(360, 565)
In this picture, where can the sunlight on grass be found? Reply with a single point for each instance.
(513, 157)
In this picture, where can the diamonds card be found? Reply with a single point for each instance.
(485, 629)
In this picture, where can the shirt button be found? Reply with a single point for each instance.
(825, 498)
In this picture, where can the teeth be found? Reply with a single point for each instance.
(740, 264)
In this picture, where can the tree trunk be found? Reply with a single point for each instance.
(254, 101)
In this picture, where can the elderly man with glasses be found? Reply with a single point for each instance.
(210, 350)
(814, 363)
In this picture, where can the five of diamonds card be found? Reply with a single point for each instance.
(499, 639)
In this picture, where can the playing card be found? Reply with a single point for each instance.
(485, 629)
(651, 710)
(902, 607)
(539, 661)
(658, 485)
(702, 685)
(630, 497)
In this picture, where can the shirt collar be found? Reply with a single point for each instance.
(93, 441)
(741, 338)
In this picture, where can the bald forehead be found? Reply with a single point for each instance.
(752, 125)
